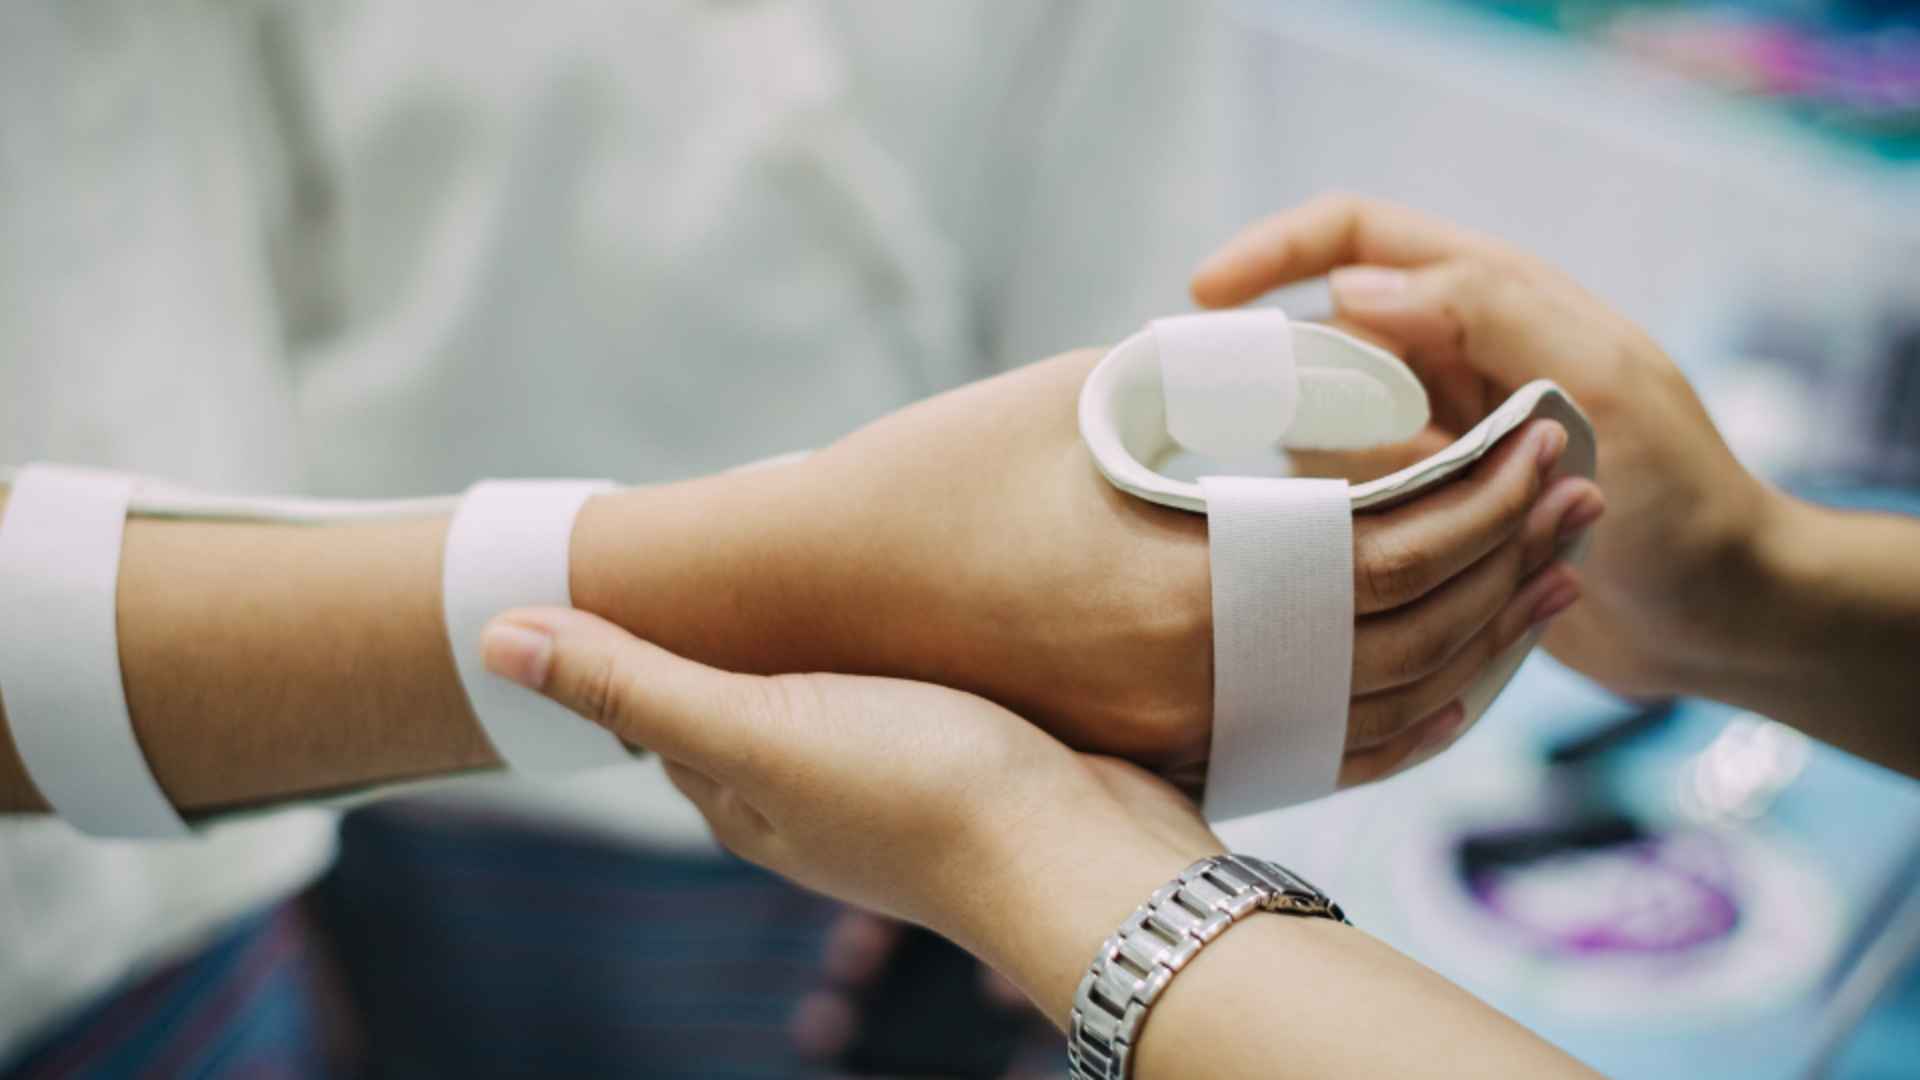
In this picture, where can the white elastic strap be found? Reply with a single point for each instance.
(508, 547)
(1228, 379)
(1281, 553)
(60, 653)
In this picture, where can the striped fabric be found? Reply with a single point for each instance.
(446, 945)
(249, 1005)
(480, 949)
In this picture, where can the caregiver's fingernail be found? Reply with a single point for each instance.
(1360, 286)
(517, 652)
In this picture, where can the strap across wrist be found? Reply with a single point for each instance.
(508, 547)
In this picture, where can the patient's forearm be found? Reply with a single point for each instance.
(263, 662)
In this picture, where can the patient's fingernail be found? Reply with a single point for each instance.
(1553, 440)
(517, 652)
(1582, 514)
(1368, 286)
(1558, 598)
(1443, 724)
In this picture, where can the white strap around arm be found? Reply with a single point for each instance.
(60, 653)
(1282, 561)
(508, 547)
(1230, 382)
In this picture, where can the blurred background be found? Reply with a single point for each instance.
(366, 249)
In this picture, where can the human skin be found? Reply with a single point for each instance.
(979, 825)
(967, 540)
(1703, 579)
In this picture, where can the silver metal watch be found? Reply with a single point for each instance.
(1161, 937)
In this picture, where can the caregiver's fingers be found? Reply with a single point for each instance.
(1378, 718)
(736, 824)
(1313, 238)
(1429, 310)
(1408, 643)
(1401, 554)
(1498, 317)
(687, 712)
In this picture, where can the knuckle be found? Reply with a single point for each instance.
(599, 695)
(771, 700)
(1512, 500)
(1424, 652)
(1387, 573)
(1377, 724)
(1490, 281)
(770, 706)
(1471, 277)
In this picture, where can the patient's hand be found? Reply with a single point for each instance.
(974, 544)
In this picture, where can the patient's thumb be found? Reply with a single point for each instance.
(642, 693)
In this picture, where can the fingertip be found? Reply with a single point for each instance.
(1549, 442)
(1589, 505)
(520, 651)
(1560, 593)
(1440, 730)
(1212, 284)
(1441, 725)
(1253, 261)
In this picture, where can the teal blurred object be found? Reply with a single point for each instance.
(1849, 71)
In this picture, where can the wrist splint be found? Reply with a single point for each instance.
(1196, 412)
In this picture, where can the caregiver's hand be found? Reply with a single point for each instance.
(942, 808)
(974, 544)
(1704, 579)
(913, 800)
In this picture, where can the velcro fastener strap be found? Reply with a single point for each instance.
(1281, 553)
(508, 547)
(1228, 379)
(60, 653)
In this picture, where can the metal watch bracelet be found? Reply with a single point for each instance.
(1134, 966)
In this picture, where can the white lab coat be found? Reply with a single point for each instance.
(368, 249)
